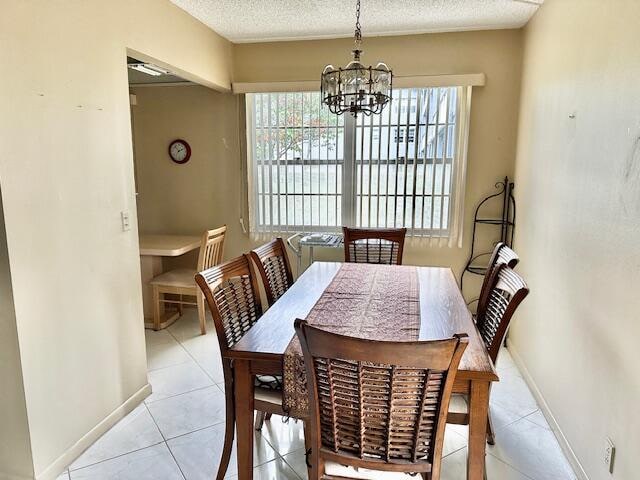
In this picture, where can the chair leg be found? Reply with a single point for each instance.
(180, 304)
(259, 420)
(228, 434)
(267, 416)
(156, 308)
(314, 466)
(201, 313)
(491, 440)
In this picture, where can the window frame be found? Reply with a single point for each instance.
(348, 191)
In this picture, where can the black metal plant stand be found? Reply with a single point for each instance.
(477, 263)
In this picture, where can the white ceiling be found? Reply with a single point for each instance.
(270, 20)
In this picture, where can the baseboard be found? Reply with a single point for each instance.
(63, 461)
(546, 411)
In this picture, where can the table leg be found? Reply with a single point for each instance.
(244, 417)
(478, 411)
(150, 266)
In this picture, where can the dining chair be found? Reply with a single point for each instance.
(273, 264)
(231, 293)
(376, 407)
(181, 281)
(501, 254)
(374, 245)
(507, 290)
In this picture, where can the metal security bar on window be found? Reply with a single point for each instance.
(297, 150)
(310, 170)
(404, 161)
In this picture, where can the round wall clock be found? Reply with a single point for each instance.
(180, 151)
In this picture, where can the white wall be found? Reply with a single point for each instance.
(578, 193)
(69, 174)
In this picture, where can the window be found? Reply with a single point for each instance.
(298, 158)
(310, 170)
(399, 134)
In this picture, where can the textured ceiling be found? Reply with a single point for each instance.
(269, 20)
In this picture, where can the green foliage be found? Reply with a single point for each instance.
(292, 125)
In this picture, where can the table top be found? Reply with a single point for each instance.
(443, 313)
(168, 245)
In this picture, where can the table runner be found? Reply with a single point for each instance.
(375, 302)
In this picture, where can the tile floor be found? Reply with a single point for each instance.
(177, 432)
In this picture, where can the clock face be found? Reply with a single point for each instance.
(179, 151)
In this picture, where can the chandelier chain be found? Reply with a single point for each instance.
(358, 32)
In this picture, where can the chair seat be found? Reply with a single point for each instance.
(458, 403)
(182, 277)
(265, 395)
(268, 382)
(268, 388)
(335, 470)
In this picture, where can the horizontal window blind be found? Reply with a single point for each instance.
(310, 170)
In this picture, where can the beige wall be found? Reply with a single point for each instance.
(206, 191)
(209, 121)
(167, 113)
(78, 312)
(579, 236)
(15, 450)
(75, 274)
(494, 110)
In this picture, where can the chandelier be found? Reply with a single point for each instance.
(356, 88)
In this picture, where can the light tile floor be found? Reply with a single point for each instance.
(177, 432)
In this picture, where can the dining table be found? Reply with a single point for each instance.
(442, 313)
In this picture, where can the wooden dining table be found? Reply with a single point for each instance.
(443, 313)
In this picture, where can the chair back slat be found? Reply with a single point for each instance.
(380, 245)
(211, 248)
(231, 293)
(273, 264)
(379, 405)
(506, 290)
(502, 254)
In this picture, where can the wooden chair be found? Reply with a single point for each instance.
(380, 406)
(507, 290)
(378, 245)
(273, 264)
(502, 254)
(231, 292)
(181, 281)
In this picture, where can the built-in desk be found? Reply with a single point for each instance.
(152, 249)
